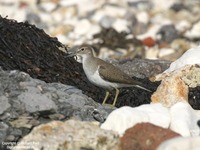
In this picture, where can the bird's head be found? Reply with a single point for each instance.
(81, 53)
(84, 51)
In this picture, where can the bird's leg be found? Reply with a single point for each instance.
(106, 97)
(116, 96)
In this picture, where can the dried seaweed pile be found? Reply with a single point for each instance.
(29, 49)
(26, 48)
(113, 39)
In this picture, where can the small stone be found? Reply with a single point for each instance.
(145, 136)
(120, 25)
(178, 7)
(106, 21)
(149, 42)
(168, 33)
(143, 17)
(183, 25)
(56, 116)
(10, 138)
(4, 104)
(166, 53)
(82, 27)
(24, 122)
(114, 11)
(193, 33)
(48, 6)
(3, 132)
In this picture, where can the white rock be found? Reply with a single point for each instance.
(9, 1)
(152, 32)
(162, 5)
(85, 6)
(45, 17)
(182, 25)
(115, 11)
(98, 15)
(181, 143)
(151, 52)
(125, 117)
(106, 21)
(62, 38)
(68, 2)
(194, 32)
(120, 25)
(190, 57)
(184, 119)
(20, 15)
(93, 30)
(155, 113)
(105, 53)
(165, 51)
(48, 6)
(10, 11)
(86, 28)
(143, 17)
(83, 27)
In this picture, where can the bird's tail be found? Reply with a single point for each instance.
(141, 87)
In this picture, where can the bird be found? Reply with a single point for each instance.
(104, 74)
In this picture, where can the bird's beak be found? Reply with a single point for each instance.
(70, 54)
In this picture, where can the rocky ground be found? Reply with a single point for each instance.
(55, 113)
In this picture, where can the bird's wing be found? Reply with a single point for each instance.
(112, 74)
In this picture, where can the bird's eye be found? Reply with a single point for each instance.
(82, 49)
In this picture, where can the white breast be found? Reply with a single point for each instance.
(97, 80)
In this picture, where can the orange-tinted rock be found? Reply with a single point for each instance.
(175, 84)
(149, 42)
(145, 136)
(171, 90)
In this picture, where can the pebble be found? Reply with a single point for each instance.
(86, 18)
(193, 33)
(168, 33)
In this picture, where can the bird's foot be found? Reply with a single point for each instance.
(110, 105)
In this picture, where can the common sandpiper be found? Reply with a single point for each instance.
(104, 74)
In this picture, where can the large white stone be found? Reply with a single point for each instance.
(184, 119)
(125, 117)
(191, 56)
